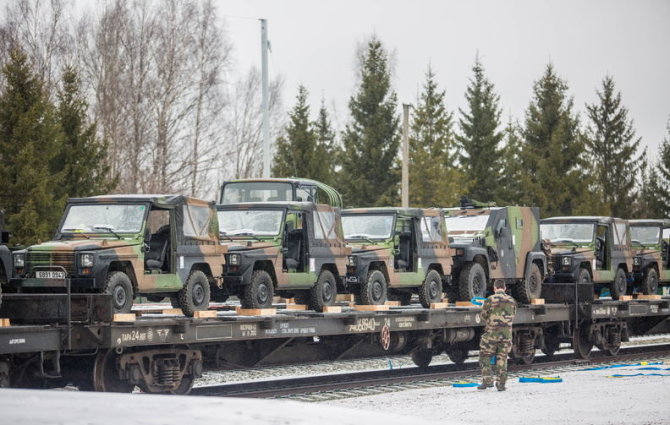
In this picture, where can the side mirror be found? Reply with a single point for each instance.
(284, 250)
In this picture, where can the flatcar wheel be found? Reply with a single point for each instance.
(551, 345)
(185, 386)
(105, 377)
(422, 357)
(457, 354)
(581, 343)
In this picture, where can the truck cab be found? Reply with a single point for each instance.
(129, 245)
(650, 243)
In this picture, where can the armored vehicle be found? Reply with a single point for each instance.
(279, 190)
(397, 252)
(129, 245)
(294, 249)
(5, 255)
(651, 263)
(496, 243)
(589, 250)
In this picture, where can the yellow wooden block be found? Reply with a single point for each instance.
(648, 297)
(439, 305)
(392, 303)
(332, 309)
(537, 301)
(288, 300)
(626, 298)
(173, 311)
(345, 297)
(204, 314)
(5, 323)
(464, 304)
(256, 311)
(371, 307)
(296, 307)
(124, 317)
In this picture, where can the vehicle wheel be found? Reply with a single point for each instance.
(373, 290)
(430, 290)
(195, 294)
(119, 287)
(457, 353)
(471, 282)
(323, 292)
(619, 284)
(581, 342)
(529, 288)
(422, 357)
(105, 376)
(584, 276)
(649, 284)
(259, 292)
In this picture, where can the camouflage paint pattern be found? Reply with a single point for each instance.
(301, 190)
(427, 254)
(200, 250)
(652, 254)
(498, 314)
(617, 255)
(508, 240)
(270, 252)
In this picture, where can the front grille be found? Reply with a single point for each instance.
(46, 259)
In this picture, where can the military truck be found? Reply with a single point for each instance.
(651, 263)
(126, 246)
(589, 250)
(5, 255)
(397, 252)
(291, 248)
(496, 243)
(279, 190)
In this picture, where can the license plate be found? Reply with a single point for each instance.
(352, 279)
(50, 275)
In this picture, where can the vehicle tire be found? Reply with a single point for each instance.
(195, 294)
(649, 284)
(457, 353)
(422, 357)
(324, 291)
(529, 288)
(471, 282)
(619, 284)
(430, 290)
(259, 292)
(119, 287)
(373, 290)
(584, 276)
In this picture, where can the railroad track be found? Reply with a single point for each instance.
(337, 386)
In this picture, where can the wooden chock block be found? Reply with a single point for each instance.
(288, 300)
(296, 307)
(464, 304)
(345, 297)
(276, 300)
(371, 307)
(256, 311)
(392, 303)
(537, 301)
(204, 314)
(626, 298)
(173, 312)
(648, 297)
(439, 305)
(124, 317)
(5, 323)
(332, 309)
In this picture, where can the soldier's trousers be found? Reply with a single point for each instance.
(498, 346)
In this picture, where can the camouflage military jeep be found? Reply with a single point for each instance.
(496, 243)
(651, 264)
(292, 248)
(397, 252)
(5, 255)
(279, 190)
(129, 245)
(589, 250)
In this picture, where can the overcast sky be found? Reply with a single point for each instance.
(314, 42)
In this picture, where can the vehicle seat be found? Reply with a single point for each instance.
(154, 259)
(402, 260)
(294, 246)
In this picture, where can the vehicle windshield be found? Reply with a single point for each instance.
(576, 233)
(645, 235)
(256, 192)
(250, 222)
(367, 226)
(121, 218)
(464, 225)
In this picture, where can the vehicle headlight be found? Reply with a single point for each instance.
(19, 260)
(86, 260)
(566, 261)
(352, 260)
(636, 261)
(234, 259)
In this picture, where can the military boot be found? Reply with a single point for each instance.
(484, 385)
(500, 385)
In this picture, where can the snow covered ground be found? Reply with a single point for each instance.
(584, 397)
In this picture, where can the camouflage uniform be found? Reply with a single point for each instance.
(498, 312)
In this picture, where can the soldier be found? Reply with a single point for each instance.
(498, 313)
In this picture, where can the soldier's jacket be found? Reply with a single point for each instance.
(498, 312)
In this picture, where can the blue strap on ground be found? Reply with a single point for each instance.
(653, 368)
(638, 374)
(623, 365)
(464, 384)
(541, 380)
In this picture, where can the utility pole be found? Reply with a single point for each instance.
(405, 155)
(264, 106)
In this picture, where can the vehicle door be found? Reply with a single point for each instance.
(157, 261)
(295, 246)
(433, 242)
(504, 238)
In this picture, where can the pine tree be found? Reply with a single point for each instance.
(612, 148)
(434, 179)
(296, 149)
(511, 191)
(82, 160)
(554, 151)
(480, 139)
(29, 140)
(369, 174)
(326, 149)
(656, 188)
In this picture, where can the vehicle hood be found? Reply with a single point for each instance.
(83, 245)
(243, 246)
(559, 250)
(362, 249)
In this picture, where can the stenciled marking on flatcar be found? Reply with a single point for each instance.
(133, 336)
(653, 309)
(478, 318)
(163, 334)
(17, 341)
(405, 322)
(249, 329)
(364, 325)
(604, 311)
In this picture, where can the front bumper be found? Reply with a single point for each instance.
(76, 283)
